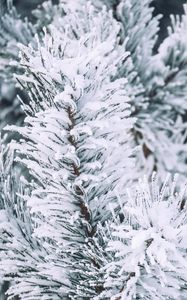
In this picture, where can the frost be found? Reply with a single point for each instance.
(79, 217)
(151, 245)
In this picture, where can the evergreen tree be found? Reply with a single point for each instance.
(103, 111)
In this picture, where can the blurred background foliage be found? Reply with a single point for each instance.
(164, 7)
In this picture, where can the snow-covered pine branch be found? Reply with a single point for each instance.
(73, 147)
(159, 114)
(148, 248)
(160, 127)
(12, 31)
(46, 13)
(157, 84)
(158, 117)
(21, 253)
(73, 224)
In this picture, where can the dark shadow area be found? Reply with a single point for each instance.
(25, 7)
(166, 8)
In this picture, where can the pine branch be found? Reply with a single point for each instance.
(71, 144)
(149, 247)
(74, 222)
